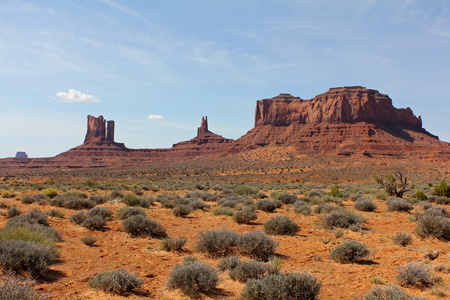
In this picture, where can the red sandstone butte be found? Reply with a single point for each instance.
(343, 121)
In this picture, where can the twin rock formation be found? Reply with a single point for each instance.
(343, 121)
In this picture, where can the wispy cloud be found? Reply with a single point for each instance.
(76, 96)
(155, 117)
(124, 9)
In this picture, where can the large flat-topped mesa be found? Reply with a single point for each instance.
(337, 105)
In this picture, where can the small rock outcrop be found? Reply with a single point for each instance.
(338, 105)
(204, 141)
(21, 154)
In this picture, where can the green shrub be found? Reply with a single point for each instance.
(397, 204)
(413, 274)
(35, 221)
(343, 219)
(442, 189)
(421, 195)
(16, 288)
(95, 222)
(116, 194)
(245, 216)
(223, 211)
(126, 212)
(348, 252)
(335, 192)
(89, 240)
(72, 202)
(50, 192)
(365, 204)
(391, 292)
(94, 219)
(325, 208)
(245, 270)
(437, 211)
(281, 225)
(143, 226)
(78, 217)
(198, 204)
(287, 198)
(182, 210)
(40, 198)
(231, 203)
(246, 190)
(228, 263)
(169, 244)
(33, 217)
(131, 200)
(402, 239)
(12, 212)
(301, 207)
(268, 205)
(192, 278)
(442, 200)
(433, 226)
(27, 234)
(282, 286)
(77, 194)
(98, 199)
(256, 244)
(217, 243)
(118, 281)
(100, 211)
(17, 255)
(316, 193)
(56, 213)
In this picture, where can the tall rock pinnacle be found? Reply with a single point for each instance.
(110, 131)
(203, 126)
(98, 130)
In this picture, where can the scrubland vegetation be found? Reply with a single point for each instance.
(152, 238)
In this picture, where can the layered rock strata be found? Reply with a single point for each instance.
(338, 105)
(343, 121)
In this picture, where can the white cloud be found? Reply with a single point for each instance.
(76, 96)
(155, 117)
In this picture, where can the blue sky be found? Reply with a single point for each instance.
(180, 60)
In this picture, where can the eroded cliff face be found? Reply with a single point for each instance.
(99, 130)
(338, 105)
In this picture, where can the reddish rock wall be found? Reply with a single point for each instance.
(338, 105)
(96, 129)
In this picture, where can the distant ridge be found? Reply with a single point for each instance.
(345, 122)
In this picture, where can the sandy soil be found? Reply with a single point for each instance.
(308, 251)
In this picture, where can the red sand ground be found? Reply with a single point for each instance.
(308, 251)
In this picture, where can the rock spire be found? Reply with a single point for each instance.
(98, 130)
(203, 129)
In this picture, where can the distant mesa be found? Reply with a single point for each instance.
(338, 105)
(343, 121)
(21, 154)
